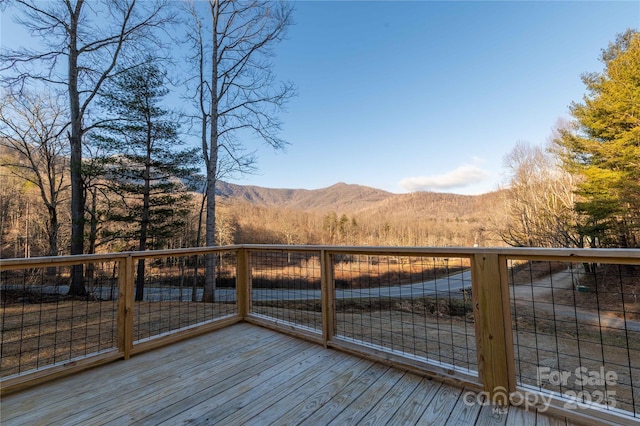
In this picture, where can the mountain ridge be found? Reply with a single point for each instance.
(359, 199)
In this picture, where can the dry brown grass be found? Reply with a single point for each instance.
(403, 326)
(36, 335)
(526, 272)
(613, 289)
(358, 272)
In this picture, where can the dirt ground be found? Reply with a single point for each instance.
(610, 287)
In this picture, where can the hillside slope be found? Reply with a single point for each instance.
(340, 197)
(365, 201)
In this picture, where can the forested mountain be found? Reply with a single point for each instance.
(358, 215)
(341, 214)
(367, 201)
(340, 197)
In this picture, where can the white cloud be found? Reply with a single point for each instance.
(464, 175)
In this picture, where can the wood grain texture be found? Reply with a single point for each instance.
(244, 374)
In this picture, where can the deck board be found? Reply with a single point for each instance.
(441, 406)
(489, 416)
(463, 412)
(268, 395)
(303, 401)
(368, 399)
(244, 374)
(392, 401)
(208, 386)
(198, 373)
(340, 400)
(117, 378)
(416, 403)
(277, 386)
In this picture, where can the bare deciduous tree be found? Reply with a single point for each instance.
(236, 92)
(31, 126)
(540, 200)
(82, 42)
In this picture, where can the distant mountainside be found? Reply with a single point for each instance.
(439, 205)
(339, 197)
(366, 201)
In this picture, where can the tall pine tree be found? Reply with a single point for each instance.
(603, 147)
(144, 170)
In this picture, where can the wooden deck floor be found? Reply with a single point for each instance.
(249, 375)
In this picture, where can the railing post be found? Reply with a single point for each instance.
(328, 296)
(494, 339)
(243, 296)
(125, 306)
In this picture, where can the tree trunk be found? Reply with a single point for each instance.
(194, 289)
(77, 287)
(52, 231)
(208, 294)
(54, 226)
(93, 222)
(140, 281)
(144, 226)
(93, 232)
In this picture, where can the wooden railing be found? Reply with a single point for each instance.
(504, 322)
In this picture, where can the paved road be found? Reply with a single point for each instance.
(441, 286)
(453, 284)
(444, 287)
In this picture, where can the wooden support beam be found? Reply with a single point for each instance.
(327, 284)
(493, 324)
(243, 292)
(125, 306)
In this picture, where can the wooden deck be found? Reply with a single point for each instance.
(249, 375)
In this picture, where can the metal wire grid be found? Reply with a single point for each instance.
(576, 331)
(413, 305)
(173, 291)
(285, 286)
(41, 325)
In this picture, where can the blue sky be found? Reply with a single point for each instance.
(425, 95)
(407, 96)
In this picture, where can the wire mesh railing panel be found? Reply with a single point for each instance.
(41, 324)
(414, 305)
(285, 286)
(576, 331)
(178, 291)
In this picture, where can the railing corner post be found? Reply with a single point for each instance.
(243, 296)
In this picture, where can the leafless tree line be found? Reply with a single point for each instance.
(83, 46)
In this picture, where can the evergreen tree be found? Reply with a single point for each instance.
(603, 147)
(144, 169)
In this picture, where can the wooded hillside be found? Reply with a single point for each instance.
(360, 215)
(340, 214)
